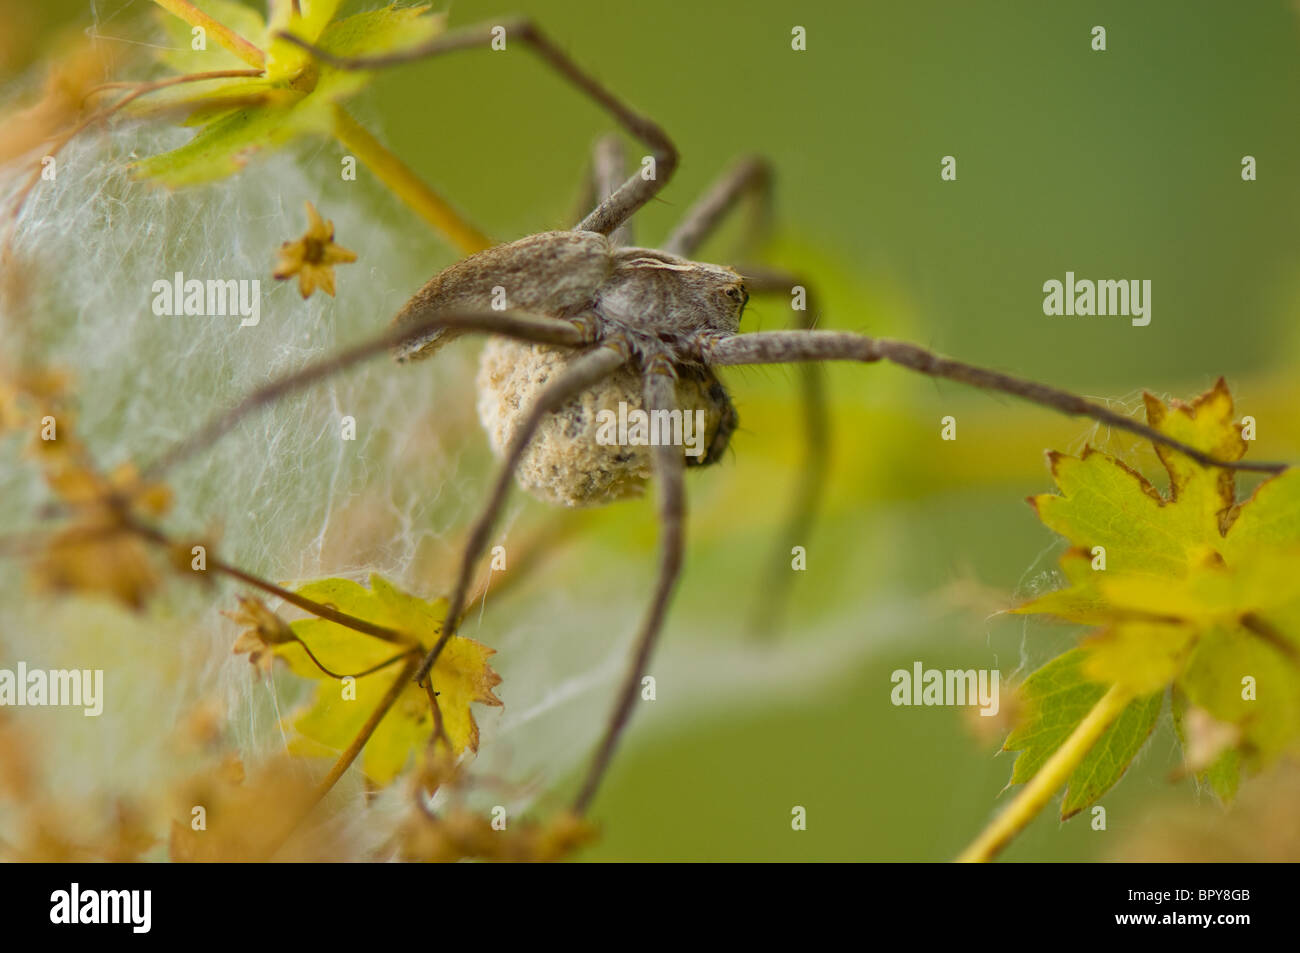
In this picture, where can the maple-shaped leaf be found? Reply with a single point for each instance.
(1056, 699)
(292, 96)
(1189, 589)
(340, 709)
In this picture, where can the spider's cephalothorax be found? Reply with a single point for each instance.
(653, 300)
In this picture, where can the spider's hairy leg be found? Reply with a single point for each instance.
(608, 169)
(783, 347)
(668, 468)
(801, 518)
(628, 197)
(584, 373)
(750, 176)
(540, 330)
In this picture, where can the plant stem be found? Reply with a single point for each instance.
(141, 89)
(138, 90)
(329, 613)
(346, 758)
(227, 37)
(1049, 779)
(370, 671)
(400, 684)
(406, 185)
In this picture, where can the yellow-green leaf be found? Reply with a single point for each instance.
(1144, 657)
(243, 116)
(1192, 589)
(1056, 698)
(462, 676)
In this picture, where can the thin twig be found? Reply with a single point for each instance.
(349, 755)
(225, 36)
(370, 671)
(329, 613)
(439, 728)
(102, 114)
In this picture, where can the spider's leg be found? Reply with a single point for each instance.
(782, 347)
(801, 516)
(602, 178)
(582, 374)
(628, 197)
(541, 330)
(752, 175)
(668, 465)
(608, 168)
(534, 544)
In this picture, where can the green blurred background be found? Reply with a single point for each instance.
(1119, 164)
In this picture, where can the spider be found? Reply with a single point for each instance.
(582, 317)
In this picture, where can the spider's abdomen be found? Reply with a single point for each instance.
(567, 463)
(552, 274)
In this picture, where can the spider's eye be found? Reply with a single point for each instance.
(736, 293)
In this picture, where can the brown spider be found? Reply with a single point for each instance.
(582, 317)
